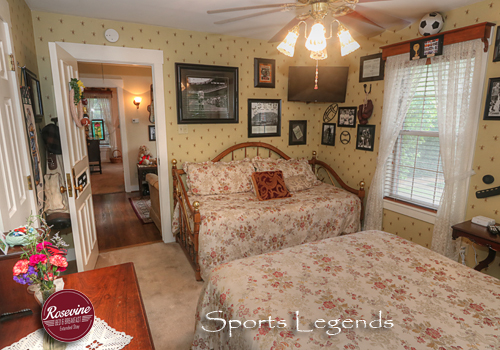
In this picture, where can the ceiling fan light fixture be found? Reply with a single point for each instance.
(319, 55)
(316, 40)
(347, 43)
(287, 46)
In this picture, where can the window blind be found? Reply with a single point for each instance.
(414, 172)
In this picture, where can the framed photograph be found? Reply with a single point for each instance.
(206, 94)
(425, 48)
(496, 52)
(328, 135)
(347, 117)
(297, 133)
(152, 133)
(492, 108)
(366, 137)
(97, 127)
(264, 72)
(3, 244)
(371, 68)
(264, 118)
(33, 86)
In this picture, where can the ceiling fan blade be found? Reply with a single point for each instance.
(234, 19)
(361, 24)
(383, 19)
(278, 37)
(244, 8)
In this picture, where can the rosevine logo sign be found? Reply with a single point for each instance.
(67, 315)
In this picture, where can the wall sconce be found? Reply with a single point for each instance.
(137, 101)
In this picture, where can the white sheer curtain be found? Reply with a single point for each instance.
(400, 87)
(458, 81)
(99, 107)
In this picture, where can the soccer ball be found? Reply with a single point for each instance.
(430, 24)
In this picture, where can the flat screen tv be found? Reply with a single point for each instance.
(332, 84)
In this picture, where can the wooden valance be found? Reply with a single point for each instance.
(477, 31)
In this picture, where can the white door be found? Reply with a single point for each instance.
(76, 161)
(16, 201)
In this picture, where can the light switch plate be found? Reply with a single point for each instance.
(182, 129)
(135, 121)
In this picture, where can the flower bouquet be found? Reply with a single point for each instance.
(42, 259)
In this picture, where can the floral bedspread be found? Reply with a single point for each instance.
(367, 290)
(238, 225)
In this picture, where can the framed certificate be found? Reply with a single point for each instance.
(371, 68)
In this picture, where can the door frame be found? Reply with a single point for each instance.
(144, 57)
(118, 85)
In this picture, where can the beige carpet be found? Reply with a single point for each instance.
(168, 287)
(110, 181)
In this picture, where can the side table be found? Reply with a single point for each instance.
(142, 170)
(480, 235)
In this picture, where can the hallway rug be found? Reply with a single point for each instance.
(142, 206)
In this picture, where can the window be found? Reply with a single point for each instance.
(99, 108)
(414, 172)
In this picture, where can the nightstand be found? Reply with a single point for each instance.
(480, 235)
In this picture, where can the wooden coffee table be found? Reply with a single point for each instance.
(113, 291)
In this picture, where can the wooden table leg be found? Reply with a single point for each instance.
(487, 261)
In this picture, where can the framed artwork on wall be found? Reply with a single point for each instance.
(328, 134)
(366, 137)
(152, 132)
(206, 94)
(264, 73)
(496, 52)
(33, 85)
(371, 68)
(425, 48)
(97, 127)
(347, 117)
(492, 107)
(264, 118)
(297, 133)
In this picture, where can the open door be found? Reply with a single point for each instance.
(75, 159)
(16, 201)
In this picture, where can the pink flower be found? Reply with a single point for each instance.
(59, 261)
(278, 274)
(49, 277)
(38, 258)
(20, 267)
(41, 246)
(434, 333)
(379, 285)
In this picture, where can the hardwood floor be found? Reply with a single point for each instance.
(110, 181)
(117, 225)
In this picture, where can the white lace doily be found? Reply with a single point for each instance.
(100, 337)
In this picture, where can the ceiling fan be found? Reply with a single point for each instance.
(363, 20)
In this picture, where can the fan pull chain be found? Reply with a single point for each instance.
(316, 79)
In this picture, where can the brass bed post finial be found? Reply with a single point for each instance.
(314, 154)
(174, 163)
(362, 185)
(196, 205)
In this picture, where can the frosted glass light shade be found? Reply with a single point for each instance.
(316, 40)
(347, 43)
(319, 55)
(287, 46)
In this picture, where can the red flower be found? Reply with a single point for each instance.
(329, 304)
(433, 333)
(222, 298)
(278, 274)
(49, 277)
(20, 267)
(325, 259)
(41, 246)
(420, 269)
(242, 235)
(379, 285)
(476, 307)
(37, 258)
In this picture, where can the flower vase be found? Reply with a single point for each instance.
(47, 293)
(50, 343)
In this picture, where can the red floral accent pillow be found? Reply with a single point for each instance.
(269, 185)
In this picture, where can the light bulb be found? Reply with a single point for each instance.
(347, 43)
(316, 40)
(287, 46)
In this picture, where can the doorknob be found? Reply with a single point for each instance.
(79, 188)
(62, 189)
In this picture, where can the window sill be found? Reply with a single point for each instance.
(416, 213)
